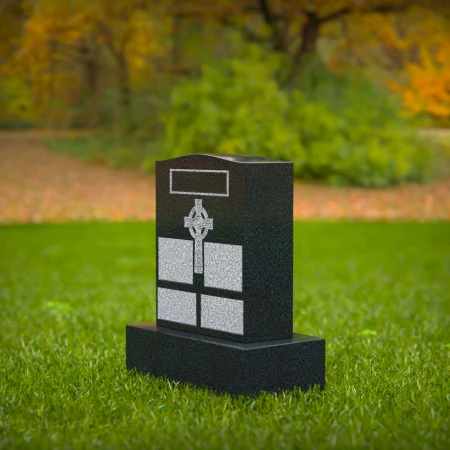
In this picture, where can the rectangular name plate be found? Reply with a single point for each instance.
(177, 306)
(214, 183)
(222, 314)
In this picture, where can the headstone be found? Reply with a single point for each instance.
(224, 237)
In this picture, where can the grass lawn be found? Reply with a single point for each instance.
(378, 292)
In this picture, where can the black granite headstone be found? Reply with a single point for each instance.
(224, 279)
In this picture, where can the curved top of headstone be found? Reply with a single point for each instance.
(238, 158)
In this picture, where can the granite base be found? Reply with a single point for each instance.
(226, 366)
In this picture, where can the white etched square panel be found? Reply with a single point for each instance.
(175, 260)
(177, 306)
(223, 266)
(222, 314)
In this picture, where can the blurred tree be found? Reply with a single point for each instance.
(11, 22)
(292, 27)
(89, 54)
(69, 54)
(427, 85)
(129, 33)
(15, 97)
(64, 46)
(45, 57)
(409, 51)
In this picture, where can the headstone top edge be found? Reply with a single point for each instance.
(253, 159)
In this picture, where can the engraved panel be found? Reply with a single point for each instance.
(175, 260)
(223, 266)
(222, 314)
(215, 183)
(177, 306)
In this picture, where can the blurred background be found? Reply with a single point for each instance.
(355, 92)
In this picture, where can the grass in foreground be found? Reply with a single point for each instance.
(379, 293)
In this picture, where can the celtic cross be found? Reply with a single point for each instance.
(198, 224)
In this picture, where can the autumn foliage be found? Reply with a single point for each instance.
(84, 62)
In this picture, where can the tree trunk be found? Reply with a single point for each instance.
(95, 94)
(176, 40)
(310, 36)
(124, 94)
(90, 56)
(51, 101)
(279, 42)
(308, 44)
